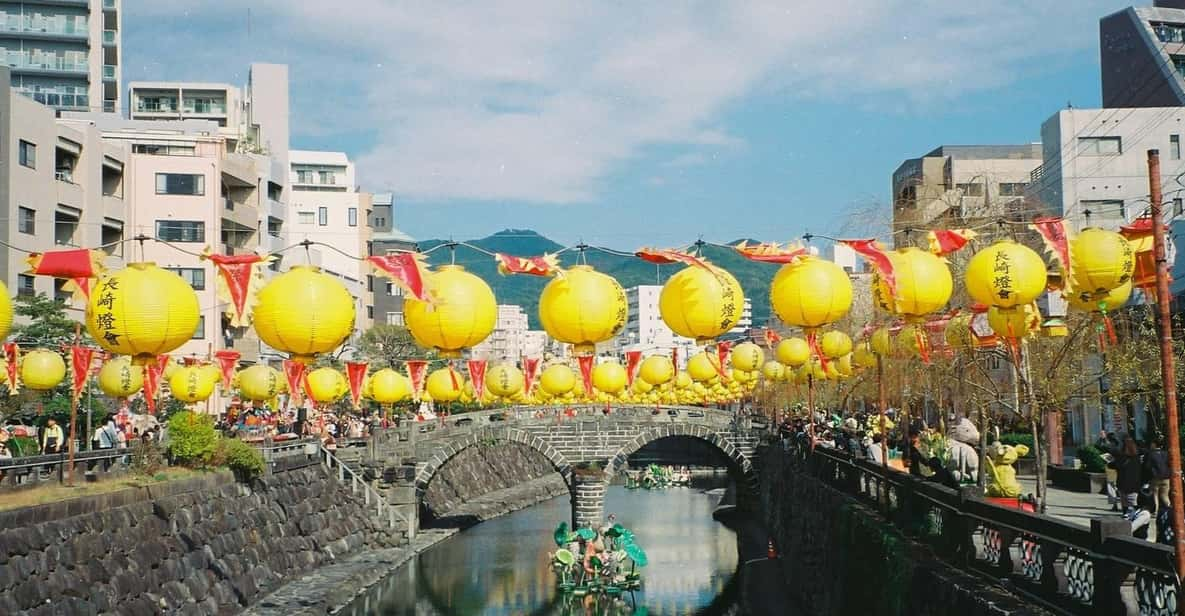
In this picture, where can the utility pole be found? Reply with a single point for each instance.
(1167, 368)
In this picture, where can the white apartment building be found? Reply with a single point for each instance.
(645, 330)
(511, 339)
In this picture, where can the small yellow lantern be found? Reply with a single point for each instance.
(882, 342)
(863, 356)
(1100, 261)
(462, 312)
(142, 311)
(703, 367)
(657, 370)
(923, 283)
(192, 384)
(639, 386)
(260, 383)
(582, 307)
(42, 369)
(326, 385)
(773, 371)
(793, 352)
(835, 344)
(1015, 323)
(747, 356)
(1005, 274)
(683, 380)
(504, 380)
(957, 332)
(913, 340)
(5, 312)
(303, 312)
(120, 378)
(811, 293)
(445, 385)
(557, 380)
(609, 377)
(701, 302)
(843, 365)
(1111, 301)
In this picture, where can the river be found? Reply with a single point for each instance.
(501, 566)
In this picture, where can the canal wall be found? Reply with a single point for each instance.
(839, 557)
(207, 545)
(489, 468)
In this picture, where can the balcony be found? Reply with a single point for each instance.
(109, 5)
(108, 72)
(200, 108)
(56, 66)
(109, 37)
(155, 107)
(28, 30)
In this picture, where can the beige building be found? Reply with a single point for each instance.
(512, 337)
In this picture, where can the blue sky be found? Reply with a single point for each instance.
(627, 127)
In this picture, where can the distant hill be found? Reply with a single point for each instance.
(628, 270)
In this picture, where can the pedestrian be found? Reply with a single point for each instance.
(108, 435)
(1156, 471)
(1128, 473)
(51, 438)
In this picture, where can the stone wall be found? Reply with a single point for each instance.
(839, 557)
(202, 546)
(482, 469)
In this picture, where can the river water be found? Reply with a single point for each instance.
(502, 567)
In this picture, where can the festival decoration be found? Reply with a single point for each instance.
(504, 380)
(405, 269)
(417, 371)
(1112, 301)
(1006, 275)
(355, 379)
(461, 311)
(120, 378)
(922, 284)
(768, 252)
(12, 354)
(914, 341)
(1139, 235)
(835, 344)
(388, 386)
(142, 311)
(632, 359)
(545, 265)
(557, 380)
(444, 385)
(667, 256)
(1053, 234)
(875, 254)
(239, 279)
(946, 241)
(1101, 261)
(477, 376)
(193, 383)
(325, 385)
(227, 360)
(610, 378)
(153, 371)
(530, 371)
(657, 370)
(260, 383)
(747, 356)
(793, 352)
(78, 266)
(882, 342)
(701, 302)
(810, 293)
(304, 312)
(773, 371)
(703, 367)
(863, 356)
(294, 373)
(582, 307)
(81, 358)
(957, 332)
(1015, 324)
(42, 369)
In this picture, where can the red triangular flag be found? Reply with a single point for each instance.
(1053, 232)
(405, 270)
(632, 359)
(545, 265)
(12, 354)
(294, 373)
(227, 360)
(879, 260)
(530, 369)
(236, 271)
(477, 374)
(416, 370)
(152, 375)
(666, 256)
(675, 357)
(586, 366)
(356, 376)
(80, 357)
(722, 349)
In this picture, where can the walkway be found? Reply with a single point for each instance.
(1073, 507)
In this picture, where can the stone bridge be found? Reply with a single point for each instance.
(585, 446)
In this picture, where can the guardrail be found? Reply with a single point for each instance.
(370, 496)
(1068, 568)
(30, 470)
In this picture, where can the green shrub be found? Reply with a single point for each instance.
(22, 446)
(147, 459)
(1092, 459)
(1018, 438)
(245, 460)
(192, 437)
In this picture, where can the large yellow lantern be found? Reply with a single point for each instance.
(923, 283)
(462, 311)
(1109, 302)
(811, 292)
(504, 380)
(1100, 261)
(260, 383)
(703, 367)
(957, 332)
(192, 384)
(747, 356)
(609, 377)
(882, 342)
(835, 344)
(1005, 274)
(42, 369)
(773, 371)
(120, 378)
(445, 385)
(793, 352)
(557, 380)
(657, 370)
(582, 307)
(304, 311)
(1016, 323)
(326, 385)
(701, 302)
(142, 311)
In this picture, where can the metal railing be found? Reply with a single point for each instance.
(370, 496)
(1069, 568)
(27, 470)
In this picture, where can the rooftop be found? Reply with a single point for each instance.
(394, 235)
(308, 157)
(174, 85)
(986, 152)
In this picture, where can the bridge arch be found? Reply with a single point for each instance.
(441, 455)
(747, 481)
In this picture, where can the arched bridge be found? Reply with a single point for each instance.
(589, 447)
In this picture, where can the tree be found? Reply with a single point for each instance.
(386, 346)
(49, 326)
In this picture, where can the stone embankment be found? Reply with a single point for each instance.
(489, 468)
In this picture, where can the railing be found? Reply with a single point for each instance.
(370, 496)
(108, 72)
(1074, 570)
(27, 27)
(27, 470)
(109, 37)
(54, 65)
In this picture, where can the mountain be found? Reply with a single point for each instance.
(628, 270)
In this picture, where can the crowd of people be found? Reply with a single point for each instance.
(1138, 482)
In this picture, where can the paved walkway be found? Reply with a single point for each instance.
(1074, 507)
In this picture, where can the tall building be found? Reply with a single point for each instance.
(386, 238)
(645, 330)
(1142, 56)
(511, 338)
(957, 183)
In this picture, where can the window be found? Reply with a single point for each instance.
(370, 283)
(304, 218)
(180, 184)
(28, 154)
(200, 332)
(1175, 147)
(1012, 189)
(1099, 146)
(370, 312)
(395, 318)
(379, 222)
(1178, 206)
(162, 150)
(970, 190)
(25, 285)
(27, 223)
(352, 215)
(181, 230)
(993, 362)
(323, 216)
(1104, 208)
(304, 177)
(326, 177)
(195, 276)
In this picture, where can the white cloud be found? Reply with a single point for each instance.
(540, 101)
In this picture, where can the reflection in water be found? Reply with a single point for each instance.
(502, 566)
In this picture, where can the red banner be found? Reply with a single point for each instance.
(12, 354)
(80, 363)
(530, 370)
(477, 374)
(235, 274)
(771, 338)
(227, 359)
(878, 258)
(666, 256)
(294, 374)
(417, 369)
(356, 376)
(73, 263)
(675, 358)
(534, 266)
(405, 269)
(767, 252)
(1139, 235)
(586, 366)
(632, 359)
(945, 241)
(152, 375)
(923, 341)
(722, 349)
(1057, 243)
(812, 341)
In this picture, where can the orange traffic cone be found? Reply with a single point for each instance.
(772, 553)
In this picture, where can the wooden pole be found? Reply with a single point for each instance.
(880, 407)
(810, 404)
(1168, 369)
(73, 419)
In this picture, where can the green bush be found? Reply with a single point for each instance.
(1092, 459)
(22, 446)
(192, 437)
(1018, 438)
(245, 460)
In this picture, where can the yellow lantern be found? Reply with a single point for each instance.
(843, 365)
(1005, 274)
(701, 302)
(42, 369)
(1015, 323)
(142, 311)
(192, 384)
(304, 311)
(882, 342)
(388, 386)
(609, 377)
(747, 356)
(326, 385)
(922, 281)
(793, 352)
(914, 340)
(863, 356)
(683, 380)
(120, 378)
(462, 311)
(5, 312)
(657, 370)
(957, 332)
(504, 380)
(811, 292)
(260, 383)
(773, 371)
(582, 307)
(835, 344)
(1100, 261)
(640, 386)
(445, 385)
(703, 367)
(1109, 302)
(557, 380)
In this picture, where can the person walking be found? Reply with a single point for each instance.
(51, 438)
(1128, 473)
(108, 435)
(1108, 445)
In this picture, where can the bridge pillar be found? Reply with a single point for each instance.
(588, 500)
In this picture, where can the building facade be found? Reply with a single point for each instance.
(64, 54)
(512, 337)
(1142, 56)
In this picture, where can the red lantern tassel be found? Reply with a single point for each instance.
(923, 345)
(1110, 326)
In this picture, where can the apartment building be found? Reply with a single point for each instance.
(512, 337)
(1142, 56)
(386, 238)
(64, 53)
